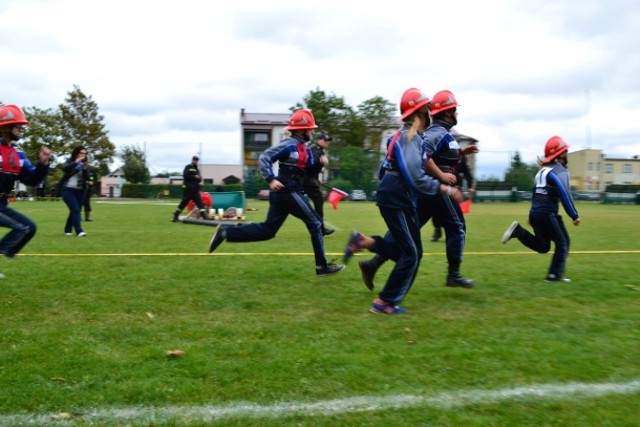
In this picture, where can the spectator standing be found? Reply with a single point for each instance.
(402, 178)
(14, 166)
(191, 189)
(552, 187)
(287, 197)
(73, 188)
(312, 183)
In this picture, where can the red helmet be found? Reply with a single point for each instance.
(553, 148)
(443, 100)
(12, 115)
(412, 100)
(301, 119)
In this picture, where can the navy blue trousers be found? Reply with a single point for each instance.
(73, 198)
(22, 230)
(449, 216)
(547, 228)
(281, 205)
(405, 246)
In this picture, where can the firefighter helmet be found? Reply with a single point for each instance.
(301, 119)
(412, 100)
(12, 115)
(553, 148)
(443, 100)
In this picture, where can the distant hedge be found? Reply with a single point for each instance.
(155, 191)
(620, 188)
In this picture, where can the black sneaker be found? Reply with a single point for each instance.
(175, 217)
(218, 237)
(329, 269)
(459, 281)
(437, 234)
(327, 231)
(368, 271)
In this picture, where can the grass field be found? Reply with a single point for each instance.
(85, 324)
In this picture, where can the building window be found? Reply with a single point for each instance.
(608, 168)
(626, 168)
(590, 166)
(254, 140)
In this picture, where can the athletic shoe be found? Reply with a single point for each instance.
(437, 234)
(368, 270)
(380, 307)
(82, 234)
(354, 244)
(509, 233)
(218, 237)
(459, 281)
(327, 231)
(68, 234)
(2, 276)
(554, 278)
(329, 269)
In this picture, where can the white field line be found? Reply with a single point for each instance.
(246, 410)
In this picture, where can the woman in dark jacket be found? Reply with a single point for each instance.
(72, 189)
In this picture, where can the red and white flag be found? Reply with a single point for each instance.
(335, 196)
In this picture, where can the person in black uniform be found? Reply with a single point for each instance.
(311, 184)
(90, 185)
(463, 174)
(552, 186)
(287, 197)
(191, 189)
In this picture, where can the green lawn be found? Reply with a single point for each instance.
(85, 324)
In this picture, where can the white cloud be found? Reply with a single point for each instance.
(174, 75)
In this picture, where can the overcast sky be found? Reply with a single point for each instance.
(172, 76)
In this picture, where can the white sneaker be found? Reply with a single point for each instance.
(68, 234)
(82, 234)
(507, 234)
(2, 276)
(554, 278)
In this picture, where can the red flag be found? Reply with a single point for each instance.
(335, 196)
(466, 206)
(206, 200)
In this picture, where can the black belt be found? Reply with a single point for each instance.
(297, 178)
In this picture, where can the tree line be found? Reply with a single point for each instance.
(354, 153)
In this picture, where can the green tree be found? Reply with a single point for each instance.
(356, 165)
(134, 166)
(45, 128)
(82, 124)
(356, 134)
(520, 173)
(378, 114)
(328, 110)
